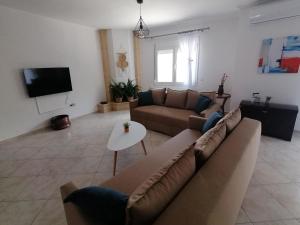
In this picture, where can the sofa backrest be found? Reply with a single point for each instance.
(215, 194)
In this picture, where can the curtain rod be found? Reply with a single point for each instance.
(181, 32)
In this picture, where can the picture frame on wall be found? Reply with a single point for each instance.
(280, 55)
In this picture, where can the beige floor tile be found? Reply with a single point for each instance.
(26, 153)
(32, 167)
(12, 187)
(265, 174)
(21, 213)
(3, 205)
(242, 217)
(85, 165)
(51, 214)
(94, 150)
(8, 167)
(282, 222)
(260, 205)
(60, 166)
(287, 195)
(41, 188)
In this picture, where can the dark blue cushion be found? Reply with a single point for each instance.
(100, 205)
(211, 121)
(145, 98)
(202, 104)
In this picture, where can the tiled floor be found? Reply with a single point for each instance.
(33, 167)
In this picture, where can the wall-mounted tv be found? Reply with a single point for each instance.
(46, 81)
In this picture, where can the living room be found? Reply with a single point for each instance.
(72, 134)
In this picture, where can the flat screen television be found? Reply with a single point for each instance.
(46, 81)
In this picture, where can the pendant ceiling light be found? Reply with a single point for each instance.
(141, 30)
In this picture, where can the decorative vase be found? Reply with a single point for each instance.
(221, 90)
(126, 129)
(119, 100)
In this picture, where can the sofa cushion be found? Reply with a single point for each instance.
(154, 194)
(100, 205)
(191, 99)
(203, 103)
(145, 167)
(145, 98)
(175, 98)
(207, 144)
(211, 121)
(169, 116)
(210, 94)
(158, 96)
(232, 119)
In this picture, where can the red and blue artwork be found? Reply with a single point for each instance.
(280, 55)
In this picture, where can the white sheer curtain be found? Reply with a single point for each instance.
(187, 60)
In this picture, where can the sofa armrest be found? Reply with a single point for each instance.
(133, 104)
(73, 214)
(196, 122)
(213, 108)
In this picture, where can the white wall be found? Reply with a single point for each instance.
(28, 40)
(217, 51)
(283, 88)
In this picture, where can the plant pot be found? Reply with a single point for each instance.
(118, 100)
(126, 129)
(130, 99)
(221, 90)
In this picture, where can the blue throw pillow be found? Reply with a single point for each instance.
(211, 121)
(100, 205)
(145, 98)
(202, 104)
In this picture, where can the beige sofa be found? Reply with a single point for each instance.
(211, 196)
(171, 117)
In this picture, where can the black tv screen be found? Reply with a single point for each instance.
(46, 81)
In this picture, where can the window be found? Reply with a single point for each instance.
(165, 65)
(178, 65)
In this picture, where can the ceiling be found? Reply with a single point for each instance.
(124, 13)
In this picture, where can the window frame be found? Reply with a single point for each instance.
(175, 48)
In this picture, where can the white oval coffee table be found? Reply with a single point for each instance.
(120, 140)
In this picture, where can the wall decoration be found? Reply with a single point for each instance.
(122, 63)
(280, 55)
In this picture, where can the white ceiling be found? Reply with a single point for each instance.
(124, 13)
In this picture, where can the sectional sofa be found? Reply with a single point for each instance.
(171, 109)
(192, 179)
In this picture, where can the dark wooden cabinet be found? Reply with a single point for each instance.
(277, 120)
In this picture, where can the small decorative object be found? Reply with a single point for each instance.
(131, 90)
(221, 87)
(256, 97)
(104, 107)
(126, 127)
(141, 30)
(280, 55)
(122, 63)
(268, 99)
(117, 91)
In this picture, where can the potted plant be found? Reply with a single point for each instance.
(221, 87)
(126, 127)
(117, 91)
(131, 90)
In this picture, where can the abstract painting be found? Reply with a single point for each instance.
(280, 55)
